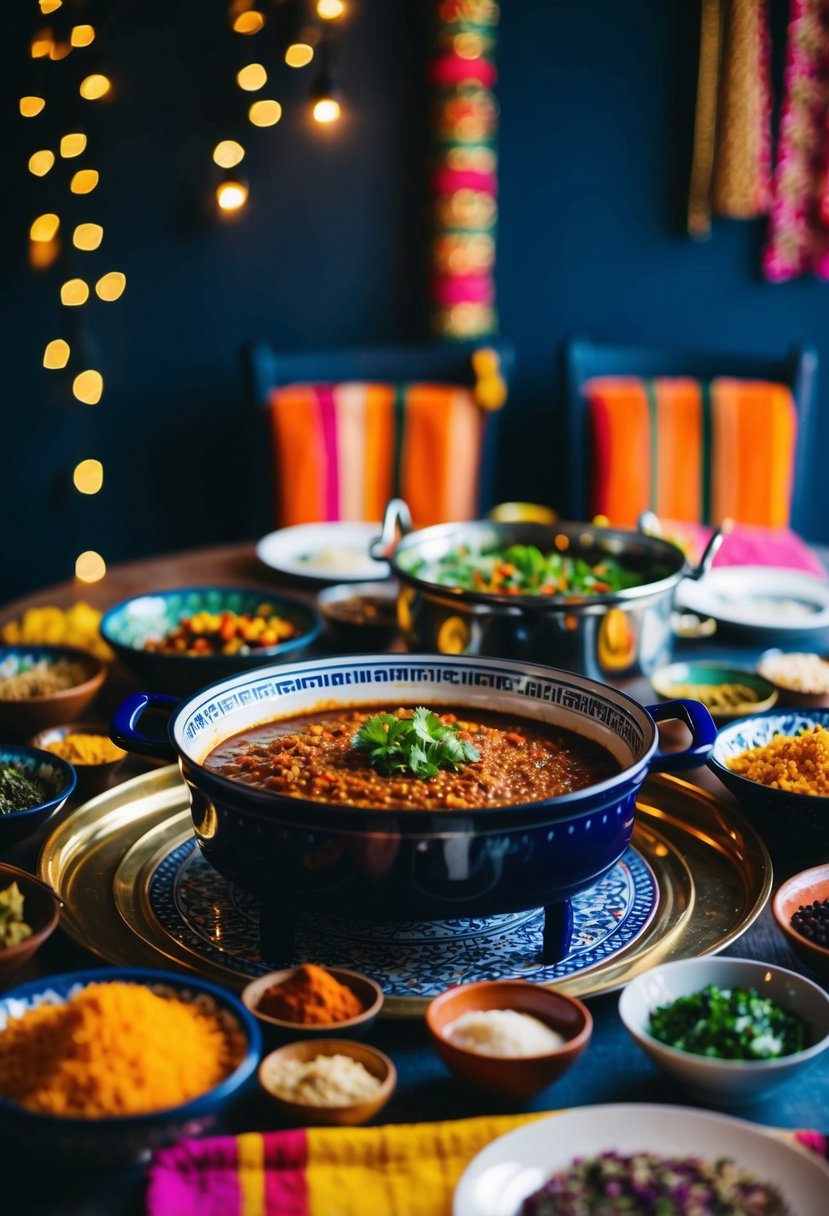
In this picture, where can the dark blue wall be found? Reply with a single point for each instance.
(596, 106)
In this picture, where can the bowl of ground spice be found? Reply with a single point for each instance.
(777, 766)
(42, 686)
(801, 909)
(88, 748)
(328, 1082)
(801, 678)
(106, 1065)
(323, 1001)
(33, 784)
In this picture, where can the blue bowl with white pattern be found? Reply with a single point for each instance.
(787, 820)
(128, 627)
(389, 864)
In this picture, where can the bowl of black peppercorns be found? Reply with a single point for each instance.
(801, 909)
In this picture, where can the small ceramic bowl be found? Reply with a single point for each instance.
(510, 1076)
(808, 887)
(24, 718)
(305, 1114)
(92, 778)
(41, 912)
(783, 669)
(128, 626)
(361, 615)
(726, 692)
(57, 776)
(787, 821)
(368, 993)
(129, 1138)
(725, 1082)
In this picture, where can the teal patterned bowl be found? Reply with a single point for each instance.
(129, 626)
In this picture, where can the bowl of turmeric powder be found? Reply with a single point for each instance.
(103, 1066)
(323, 1001)
(86, 746)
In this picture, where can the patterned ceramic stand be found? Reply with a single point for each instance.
(219, 923)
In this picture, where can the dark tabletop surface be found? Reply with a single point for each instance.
(613, 1068)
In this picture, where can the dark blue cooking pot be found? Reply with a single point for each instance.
(299, 855)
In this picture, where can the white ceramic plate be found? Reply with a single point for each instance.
(759, 597)
(496, 1182)
(328, 552)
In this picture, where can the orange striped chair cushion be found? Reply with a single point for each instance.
(691, 451)
(342, 451)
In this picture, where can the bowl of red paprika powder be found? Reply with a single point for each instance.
(323, 1001)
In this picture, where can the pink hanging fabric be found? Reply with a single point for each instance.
(798, 241)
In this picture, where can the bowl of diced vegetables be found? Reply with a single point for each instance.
(33, 784)
(729, 1030)
(179, 640)
(29, 913)
(593, 600)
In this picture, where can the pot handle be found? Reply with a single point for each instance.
(703, 734)
(397, 521)
(123, 726)
(711, 549)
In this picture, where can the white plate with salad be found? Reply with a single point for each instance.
(333, 552)
(513, 1167)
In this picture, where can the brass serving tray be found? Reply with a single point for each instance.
(713, 874)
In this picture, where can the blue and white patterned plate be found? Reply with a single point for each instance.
(218, 923)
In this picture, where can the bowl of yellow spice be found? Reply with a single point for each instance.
(88, 748)
(108, 1064)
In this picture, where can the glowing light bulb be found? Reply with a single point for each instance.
(111, 285)
(74, 292)
(326, 110)
(90, 567)
(94, 87)
(252, 77)
(265, 113)
(45, 227)
(84, 181)
(88, 476)
(41, 44)
(41, 162)
(82, 35)
(56, 354)
(249, 23)
(50, 6)
(72, 144)
(228, 153)
(299, 54)
(330, 10)
(87, 236)
(232, 195)
(30, 107)
(88, 387)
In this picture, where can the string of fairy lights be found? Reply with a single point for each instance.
(67, 187)
(314, 44)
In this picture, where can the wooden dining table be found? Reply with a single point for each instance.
(613, 1069)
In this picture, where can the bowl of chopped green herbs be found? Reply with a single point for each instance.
(729, 1030)
(33, 784)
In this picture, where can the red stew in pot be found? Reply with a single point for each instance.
(312, 757)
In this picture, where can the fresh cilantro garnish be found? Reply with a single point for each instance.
(421, 745)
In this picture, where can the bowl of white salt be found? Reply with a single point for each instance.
(508, 1036)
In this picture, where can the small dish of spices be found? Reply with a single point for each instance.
(89, 748)
(329, 1082)
(801, 909)
(801, 678)
(41, 686)
(328, 1001)
(29, 913)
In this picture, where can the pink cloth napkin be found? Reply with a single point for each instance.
(746, 545)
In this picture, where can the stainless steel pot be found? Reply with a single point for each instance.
(628, 633)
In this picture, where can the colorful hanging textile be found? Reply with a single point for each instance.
(798, 241)
(731, 166)
(464, 175)
(691, 451)
(397, 1170)
(342, 451)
